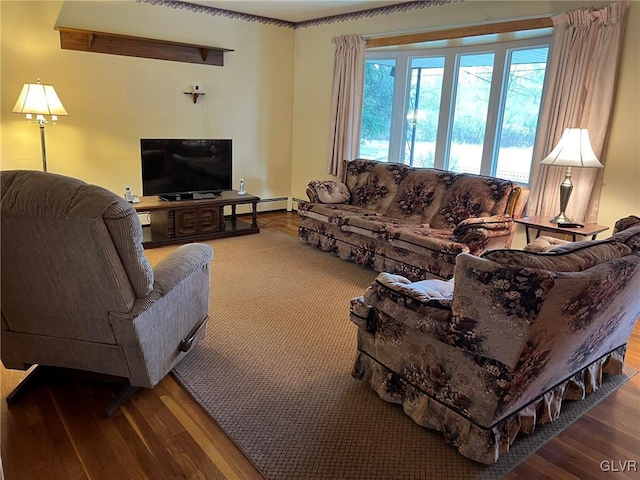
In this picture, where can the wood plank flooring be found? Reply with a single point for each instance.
(55, 430)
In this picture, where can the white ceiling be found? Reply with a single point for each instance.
(295, 10)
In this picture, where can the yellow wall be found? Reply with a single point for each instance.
(312, 92)
(113, 101)
(621, 189)
(272, 96)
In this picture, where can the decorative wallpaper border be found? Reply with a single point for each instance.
(372, 12)
(221, 12)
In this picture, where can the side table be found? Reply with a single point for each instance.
(541, 223)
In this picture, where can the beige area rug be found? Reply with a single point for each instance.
(274, 373)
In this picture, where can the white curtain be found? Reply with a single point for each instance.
(583, 73)
(346, 101)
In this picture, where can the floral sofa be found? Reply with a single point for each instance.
(499, 348)
(410, 221)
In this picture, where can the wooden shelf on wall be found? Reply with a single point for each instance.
(116, 44)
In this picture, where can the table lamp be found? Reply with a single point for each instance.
(573, 150)
(40, 100)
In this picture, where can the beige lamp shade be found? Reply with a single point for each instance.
(573, 150)
(39, 99)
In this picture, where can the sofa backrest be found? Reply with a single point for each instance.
(71, 253)
(571, 257)
(439, 198)
(544, 325)
(630, 236)
(625, 223)
(373, 185)
(469, 196)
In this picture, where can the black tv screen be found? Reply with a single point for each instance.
(181, 167)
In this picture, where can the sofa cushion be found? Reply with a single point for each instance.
(413, 261)
(470, 196)
(372, 226)
(409, 237)
(572, 257)
(373, 185)
(428, 292)
(336, 213)
(424, 306)
(418, 197)
(329, 191)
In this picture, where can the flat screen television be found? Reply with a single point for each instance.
(178, 169)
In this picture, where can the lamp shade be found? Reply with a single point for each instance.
(39, 99)
(573, 150)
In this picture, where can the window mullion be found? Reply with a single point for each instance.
(399, 106)
(496, 102)
(446, 104)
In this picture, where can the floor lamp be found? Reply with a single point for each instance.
(40, 100)
(573, 150)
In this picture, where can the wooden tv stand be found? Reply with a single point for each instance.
(185, 221)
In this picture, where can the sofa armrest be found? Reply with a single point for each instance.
(433, 292)
(423, 305)
(517, 201)
(328, 191)
(362, 314)
(172, 270)
(494, 302)
(153, 334)
(480, 229)
(179, 264)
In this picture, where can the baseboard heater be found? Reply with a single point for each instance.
(274, 199)
(296, 200)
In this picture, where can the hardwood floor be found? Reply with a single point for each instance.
(55, 430)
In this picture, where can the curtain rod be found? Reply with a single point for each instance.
(470, 31)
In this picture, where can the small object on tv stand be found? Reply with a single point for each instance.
(204, 195)
(176, 197)
(242, 191)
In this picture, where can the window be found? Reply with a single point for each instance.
(467, 109)
(377, 105)
(425, 91)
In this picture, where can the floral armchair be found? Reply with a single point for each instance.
(496, 350)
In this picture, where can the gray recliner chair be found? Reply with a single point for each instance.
(78, 292)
